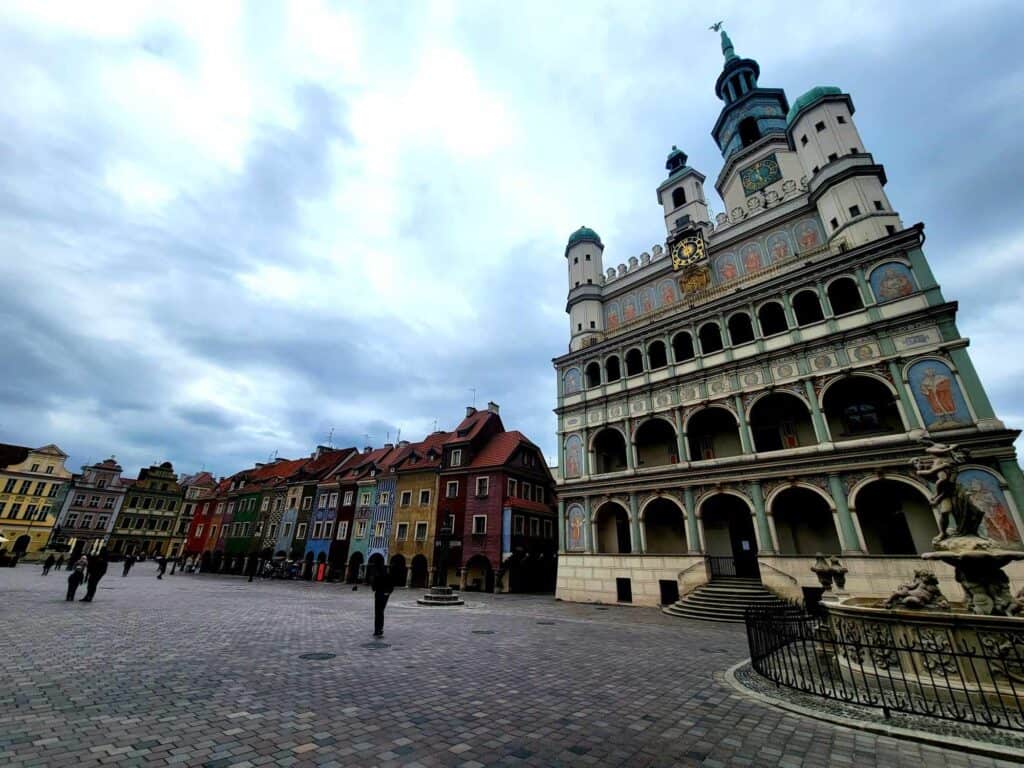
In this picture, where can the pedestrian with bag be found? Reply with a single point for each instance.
(77, 576)
(383, 586)
(48, 564)
(97, 570)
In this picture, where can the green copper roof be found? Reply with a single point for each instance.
(727, 49)
(583, 235)
(809, 98)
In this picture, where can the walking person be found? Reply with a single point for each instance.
(382, 589)
(77, 576)
(59, 563)
(161, 569)
(48, 564)
(129, 561)
(97, 570)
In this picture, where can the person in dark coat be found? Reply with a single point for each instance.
(77, 576)
(382, 588)
(48, 564)
(97, 570)
(129, 561)
(161, 562)
(59, 563)
(251, 566)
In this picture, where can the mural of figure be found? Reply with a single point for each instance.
(807, 235)
(986, 494)
(611, 319)
(573, 456)
(938, 395)
(778, 246)
(628, 309)
(727, 268)
(577, 520)
(752, 257)
(572, 382)
(668, 293)
(646, 300)
(891, 281)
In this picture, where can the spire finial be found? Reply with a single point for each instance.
(727, 49)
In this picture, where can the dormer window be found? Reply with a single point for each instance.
(456, 459)
(587, 257)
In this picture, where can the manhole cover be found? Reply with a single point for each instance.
(483, 631)
(713, 650)
(600, 609)
(317, 656)
(376, 645)
(545, 622)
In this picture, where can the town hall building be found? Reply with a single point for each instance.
(749, 393)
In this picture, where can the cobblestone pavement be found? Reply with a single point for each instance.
(206, 671)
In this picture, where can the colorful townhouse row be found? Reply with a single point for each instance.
(481, 495)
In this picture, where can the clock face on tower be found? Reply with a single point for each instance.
(760, 175)
(688, 250)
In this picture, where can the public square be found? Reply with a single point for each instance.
(208, 671)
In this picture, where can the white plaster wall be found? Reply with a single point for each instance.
(586, 578)
(789, 165)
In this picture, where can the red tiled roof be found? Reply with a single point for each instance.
(12, 454)
(499, 449)
(470, 426)
(434, 442)
(528, 504)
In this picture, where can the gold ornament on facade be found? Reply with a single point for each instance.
(694, 280)
(688, 251)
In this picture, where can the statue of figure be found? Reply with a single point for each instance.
(940, 467)
(838, 572)
(823, 571)
(922, 593)
(1017, 605)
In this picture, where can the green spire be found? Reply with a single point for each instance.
(727, 50)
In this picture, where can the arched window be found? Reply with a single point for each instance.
(634, 362)
(656, 444)
(749, 132)
(682, 346)
(807, 308)
(779, 421)
(740, 329)
(593, 375)
(678, 197)
(710, 338)
(609, 451)
(772, 318)
(858, 406)
(611, 369)
(844, 296)
(713, 434)
(656, 356)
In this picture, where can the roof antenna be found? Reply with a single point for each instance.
(398, 436)
(330, 438)
(473, 390)
(435, 425)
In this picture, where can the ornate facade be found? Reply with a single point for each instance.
(753, 388)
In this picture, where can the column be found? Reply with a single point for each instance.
(745, 441)
(630, 448)
(636, 543)
(847, 531)
(1010, 470)
(692, 529)
(925, 279)
(766, 543)
(787, 308)
(561, 526)
(976, 393)
(906, 400)
(817, 419)
(680, 437)
(588, 529)
(585, 469)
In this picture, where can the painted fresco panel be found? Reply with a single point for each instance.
(612, 316)
(984, 490)
(572, 381)
(938, 395)
(573, 456)
(576, 520)
(891, 281)
(780, 245)
(667, 293)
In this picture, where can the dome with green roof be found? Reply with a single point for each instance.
(809, 98)
(583, 235)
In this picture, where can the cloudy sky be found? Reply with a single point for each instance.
(227, 229)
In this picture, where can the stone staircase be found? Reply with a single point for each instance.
(722, 599)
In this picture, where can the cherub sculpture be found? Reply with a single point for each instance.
(922, 592)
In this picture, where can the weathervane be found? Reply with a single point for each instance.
(716, 26)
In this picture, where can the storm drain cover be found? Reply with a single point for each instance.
(600, 609)
(317, 656)
(713, 650)
(483, 631)
(545, 622)
(376, 645)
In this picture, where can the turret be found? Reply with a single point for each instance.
(844, 182)
(682, 194)
(583, 255)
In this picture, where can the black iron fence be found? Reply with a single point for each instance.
(728, 565)
(952, 671)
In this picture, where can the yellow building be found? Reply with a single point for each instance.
(33, 482)
(413, 532)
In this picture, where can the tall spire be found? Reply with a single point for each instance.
(727, 50)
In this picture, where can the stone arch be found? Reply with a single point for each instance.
(851, 411)
(806, 305)
(682, 347)
(655, 441)
(741, 328)
(612, 368)
(611, 528)
(710, 336)
(592, 375)
(355, 563)
(609, 447)
(771, 317)
(810, 525)
(725, 519)
(708, 495)
(657, 357)
(634, 361)
(712, 434)
(779, 420)
(420, 572)
(478, 574)
(895, 517)
(844, 295)
(663, 524)
(398, 569)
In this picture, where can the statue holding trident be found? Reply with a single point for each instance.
(940, 467)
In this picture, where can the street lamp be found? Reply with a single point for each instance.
(444, 538)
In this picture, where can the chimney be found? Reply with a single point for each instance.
(403, 443)
(367, 449)
(493, 407)
(389, 446)
(470, 410)
(260, 464)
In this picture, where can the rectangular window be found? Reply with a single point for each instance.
(160, 504)
(364, 499)
(424, 498)
(381, 529)
(101, 523)
(819, 126)
(259, 528)
(403, 531)
(527, 489)
(855, 210)
(832, 157)
(265, 505)
(9, 486)
(300, 532)
(343, 530)
(79, 499)
(49, 470)
(40, 487)
(890, 229)
(199, 530)
(272, 532)
(213, 532)
(332, 502)
(108, 503)
(34, 468)
(321, 502)
(803, 140)
(348, 499)
(534, 526)
(421, 531)
(840, 119)
(231, 508)
(101, 483)
(456, 457)
(72, 520)
(307, 503)
(318, 529)
(25, 486)
(538, 496)
(482, 485)
(452, 489)
(139, 522)
(479, 525)
(549, 529)
(385, 498)
(360, 529)
(87, 521)
(94, 501)
(15, 510)
(287, 530)
(512, 487)
(328, 529)
(879, 206)
(406, 498)
(291, 502)
(834, 223)
(518, 525)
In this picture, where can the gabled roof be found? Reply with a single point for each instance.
(202, 479)
(497, 451)
(12, 454)
(426, 454)
(471, 426)
(375, 459)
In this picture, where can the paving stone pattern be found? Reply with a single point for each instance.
(206, 671)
